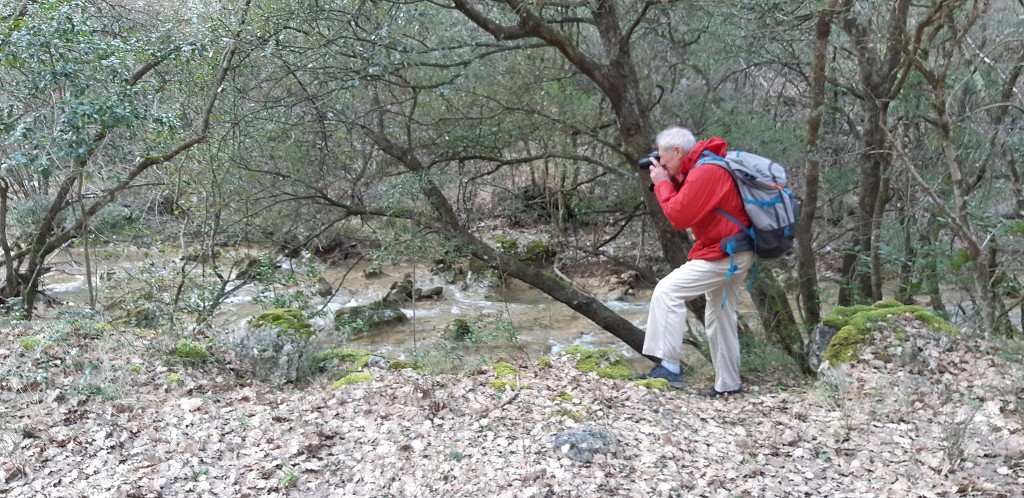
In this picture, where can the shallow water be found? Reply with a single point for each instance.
(512, 320)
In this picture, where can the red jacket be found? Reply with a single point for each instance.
(691, 203)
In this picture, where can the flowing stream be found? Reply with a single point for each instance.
(510, 319)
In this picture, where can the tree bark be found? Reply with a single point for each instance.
(807, 272)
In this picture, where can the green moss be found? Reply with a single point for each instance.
(342, 359)
(188, 349)
(656, 384)
(504, 370)
(936, 323)
(506, 244)
(544, 361)
(576, 416)
(539, 252)
(838, 318)
(403, 364)
(33, 342)
(352, 378)
(607, 363)
(564, 397)
(888, 303)
(503, 384)
(852, 324)
(288, 320)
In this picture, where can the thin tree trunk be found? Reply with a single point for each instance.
(806, 268)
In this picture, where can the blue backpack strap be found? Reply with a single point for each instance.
(748, 231)
(709, 157)
(730, 249)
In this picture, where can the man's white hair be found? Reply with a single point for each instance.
(676, 137)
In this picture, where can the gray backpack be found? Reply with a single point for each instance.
(772, 208)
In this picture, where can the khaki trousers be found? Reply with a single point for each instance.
(666, 320)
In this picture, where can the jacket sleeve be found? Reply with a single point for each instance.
(700, 194)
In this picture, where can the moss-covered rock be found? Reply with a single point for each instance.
(188, 349)
(370, 315)
(352, 378)
(854, 327)
(607, 363)
(289, 321)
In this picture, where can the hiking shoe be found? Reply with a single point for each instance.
(713, 393)
(675, 380)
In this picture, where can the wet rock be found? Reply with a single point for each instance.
(583, 443)
(405, 290)
(371, 315)
(429, 293)
(323, 287)
(378, 362)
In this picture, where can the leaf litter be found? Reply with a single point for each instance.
(918, 414)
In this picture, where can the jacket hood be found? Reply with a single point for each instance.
(715, 145)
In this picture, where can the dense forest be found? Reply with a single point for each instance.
(320, 124)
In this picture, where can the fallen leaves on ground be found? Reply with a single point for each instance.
(918, 416)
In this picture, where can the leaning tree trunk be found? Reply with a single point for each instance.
(448, 223)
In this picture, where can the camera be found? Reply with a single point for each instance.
(646, 162)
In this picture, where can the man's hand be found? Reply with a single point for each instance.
(658, 172)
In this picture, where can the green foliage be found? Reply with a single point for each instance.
(291, 475)
(173, 379)
(373, 270)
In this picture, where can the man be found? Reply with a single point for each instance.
(692, 197)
